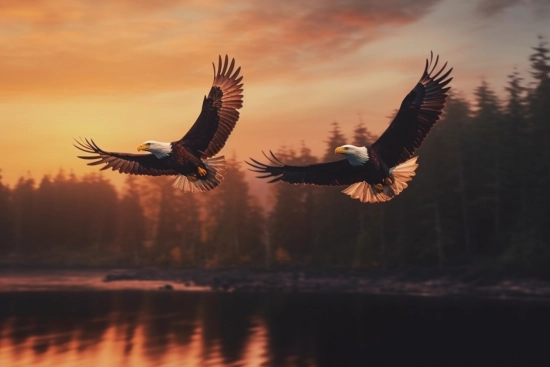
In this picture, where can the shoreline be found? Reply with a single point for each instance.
(423, 282)
(450, 282)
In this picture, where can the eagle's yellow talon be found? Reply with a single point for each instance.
(379, 187)
(388, 181)
(192, 178)
(202, 172)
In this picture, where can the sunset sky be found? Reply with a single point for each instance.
(126, 71)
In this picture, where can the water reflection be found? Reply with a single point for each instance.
(158, 328)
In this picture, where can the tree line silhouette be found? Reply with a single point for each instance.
(480, 197)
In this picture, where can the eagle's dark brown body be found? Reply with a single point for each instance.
(375, 170)
(182, 161)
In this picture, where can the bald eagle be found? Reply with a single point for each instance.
(190, 157)
(379, 172)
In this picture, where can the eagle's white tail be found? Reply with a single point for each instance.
(215, 168)
(367, 193)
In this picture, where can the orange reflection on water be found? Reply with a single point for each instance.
(255, 353)
(124, 344)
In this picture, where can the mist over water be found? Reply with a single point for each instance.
(163, 328)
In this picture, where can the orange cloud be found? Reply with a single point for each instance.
(64, 48)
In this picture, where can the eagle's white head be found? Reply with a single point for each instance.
(355, 155)
(158, 148)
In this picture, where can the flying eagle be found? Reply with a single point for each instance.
(190, 157)
(378, 172)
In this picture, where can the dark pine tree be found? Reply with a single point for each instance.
(189, 227)
(455, 199)
(168, 234)
(290, 226)
(98, 202)
(24, 201)
(232, 233)
(363, 136)
(6, 217)
(540, 61)
(516, 138)
(131, 229)
(46, 207)
(484, 170)
(336, 219)
(70, 221)
(539, 108)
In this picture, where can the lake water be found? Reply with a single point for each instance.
(130, 327)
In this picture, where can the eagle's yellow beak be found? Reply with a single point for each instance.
(340, 150)
(142, 147)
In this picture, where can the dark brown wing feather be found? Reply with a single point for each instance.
(419, 111)
(134, 164)
(326, 174)
(219, 112)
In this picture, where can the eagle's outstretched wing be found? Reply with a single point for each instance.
(134, 164)
(219, 112)
(326, 174)
(419, 111)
